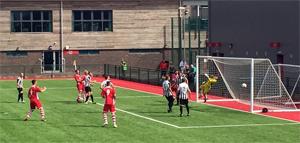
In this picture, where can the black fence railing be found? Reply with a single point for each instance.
(142, 75)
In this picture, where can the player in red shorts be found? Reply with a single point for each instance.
(110, 96)
(34, 100)
(79, 84)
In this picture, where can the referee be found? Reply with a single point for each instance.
(167, 92)
(184, 93)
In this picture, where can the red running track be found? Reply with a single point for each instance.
(292, 116)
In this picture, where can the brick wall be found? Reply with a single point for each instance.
(136, 24)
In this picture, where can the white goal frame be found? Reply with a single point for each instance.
(252, 82)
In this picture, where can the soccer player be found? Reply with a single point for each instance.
(184, 93)
(109, 93)
(167, 92)
(20, 87)
(79, 84)
(104, 83)
(87, 79)
(206, 86)
(34, 100)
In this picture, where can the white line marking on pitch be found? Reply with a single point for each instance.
(212, 126)
(242, 125)
(134, 96)
(213, 105)
(187, 127)
(5, 89)
(151, 119)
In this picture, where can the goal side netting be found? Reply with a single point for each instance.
(254, 82)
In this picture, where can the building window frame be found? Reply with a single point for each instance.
(92, 21)
(16, 53)
(89, 52)
(31, 21)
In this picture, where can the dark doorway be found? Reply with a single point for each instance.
(51, 61)
(280, 58)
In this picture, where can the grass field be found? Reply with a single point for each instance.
(141, 117)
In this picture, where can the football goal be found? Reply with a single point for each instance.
(251, 81)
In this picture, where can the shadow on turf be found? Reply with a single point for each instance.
(16, 119)
(85, 126)
(66, 102)
(8, 102)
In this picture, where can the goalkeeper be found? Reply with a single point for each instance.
(206, 85)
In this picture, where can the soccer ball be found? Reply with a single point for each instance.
(244, 85)
(79, 99)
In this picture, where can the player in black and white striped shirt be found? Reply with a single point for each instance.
(184, 93)
(87, 80)
(167, 92)
(20, 87)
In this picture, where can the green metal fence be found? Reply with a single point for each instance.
(143, 75)
(188, 37)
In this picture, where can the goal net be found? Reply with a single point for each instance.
(254, 82)
(290, 76)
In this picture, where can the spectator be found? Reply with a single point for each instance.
(163, 67)
(191, 77)
(182, 65)
(124, 67)
(172, 70)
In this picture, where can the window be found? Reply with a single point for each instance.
(198, 18)
(31, 21)
(16, 53)
(92, 21)
(88, 52)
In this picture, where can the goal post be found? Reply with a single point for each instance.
(252, 81)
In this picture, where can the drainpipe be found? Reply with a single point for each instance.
(62, 36)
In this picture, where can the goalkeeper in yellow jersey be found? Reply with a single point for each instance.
(206, 85)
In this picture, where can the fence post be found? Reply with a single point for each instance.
(104, 69)
(148, 76)
(172, 39)
(139, 72)
(158, 77)
(198, 35)
(190, 44)
(115, 71)
(119, 72)
(108, 68)
(130, 73)
(24, 70)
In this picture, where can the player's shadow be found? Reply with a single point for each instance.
(150, 112)
(8, 102)
(157, 103)
(66, 102)
(164, 115)
(15, 119)
(85, 126)
(86, 112)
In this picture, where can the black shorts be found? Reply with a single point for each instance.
(183, 101)
(170, 98)
(20, 90)
(88, 89)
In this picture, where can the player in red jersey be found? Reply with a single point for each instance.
(79, 84)
(109, 94)
(34, 100)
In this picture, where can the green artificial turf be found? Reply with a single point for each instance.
(143, 119)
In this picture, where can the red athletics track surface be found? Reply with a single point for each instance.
(291, 116)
